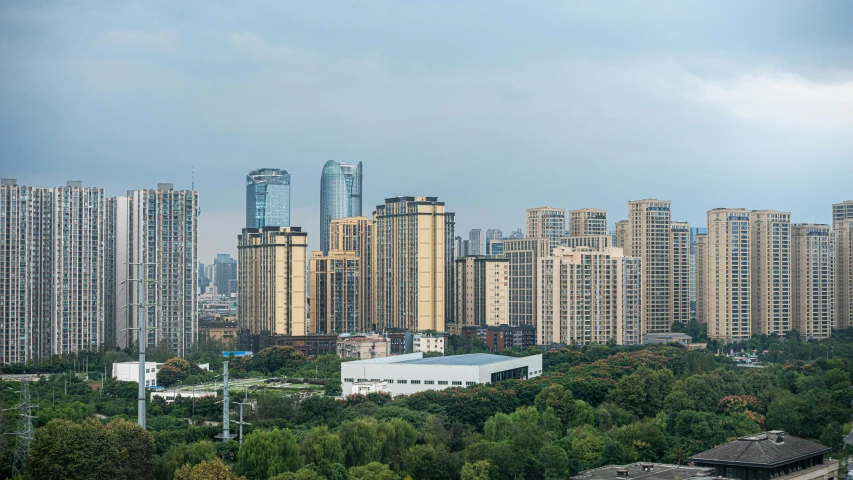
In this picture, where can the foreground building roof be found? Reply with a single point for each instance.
(768, 449)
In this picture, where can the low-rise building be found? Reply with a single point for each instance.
(500, 337)
(427, 343)
(129, 372)
(664, 338)
(169, 395)
(363, 388)
(218, 327)
(309, 345)
(363, 347)
(412, 373)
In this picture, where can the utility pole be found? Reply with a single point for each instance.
(226, 431)
(24, 433)
(142, 327)
(244, 402)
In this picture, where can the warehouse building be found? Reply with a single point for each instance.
(411, 373)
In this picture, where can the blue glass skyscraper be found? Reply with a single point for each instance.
(340, 196)
(267, 198)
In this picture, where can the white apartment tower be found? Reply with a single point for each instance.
(482, 292)
(680, 268)
(771, 271)
(52, 268)
(589, 296)
(812, 280)
(728, 275)
(523, 255)
(546, 222)
(843, 238)
(587, 221)
(476, 242)
(650, 238)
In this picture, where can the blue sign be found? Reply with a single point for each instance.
(236, 354)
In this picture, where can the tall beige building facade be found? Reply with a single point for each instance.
(271, 276)
(771, 271)
(841, 211)
(589, 296)
(622, 232)
(482, 292)
(680, 268)
(701, 260)
(546, 222)
(650, 238)
(523, 255)
(595, 242)
(413, 264)
(341, 282)
(587, 221)
(843, 238)
(812, 280)
(728, 275)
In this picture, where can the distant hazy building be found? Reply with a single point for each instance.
(701, 261)
(650, 238)
(414, 248)
(546, 222)
(594, 242)
(680, 268)
(843, 237)
(203, 281)
(341, 281)
(482, 292)
(523, 255)
(728, 275)
(587, 221)
(693, 232)
(516, 234)
(493, 235)
(52, 265)
(267, 198)
(226, 274)
(462, 247)
(771, 271)
(154, 237)
(589, 296)
(271, 294)
(476, 242)
(620, 234)
(495, 247)
(812, 280)
(340, 195)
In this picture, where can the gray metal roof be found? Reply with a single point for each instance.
(768, 449)
(469, 359)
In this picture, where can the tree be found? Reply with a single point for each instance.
(176, 370)
(397, 437)
(372, 471)
(832, 436)
(478, 470)
(558, 398)
(136, 450)
(273, 359)
(643, 392)
(361, 442)
(333, 388)
(320, 446)
(207, 470)
(266, 453)
(554, 462)
(301, 474)
(186, 454)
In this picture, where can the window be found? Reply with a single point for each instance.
(470, 383)
(429, 382)
(350, 380)
(416, 382)
(402, 381)
(442, 382)
(455, 382)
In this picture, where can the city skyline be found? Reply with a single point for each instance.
(136, 96)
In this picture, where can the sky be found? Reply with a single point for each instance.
(492, 106)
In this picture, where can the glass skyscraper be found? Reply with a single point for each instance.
(267, 198)
(340, 196)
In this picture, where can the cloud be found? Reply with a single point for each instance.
(165, 42)
(254, 45)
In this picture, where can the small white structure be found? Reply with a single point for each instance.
(169, 395)
(129, 372)
(411, 373)
(363, 388)
(427, 343)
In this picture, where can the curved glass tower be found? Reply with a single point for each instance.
(340, 196)
(267, 198)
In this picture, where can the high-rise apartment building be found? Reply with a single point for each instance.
(594, 242)
(693, 232)
(340, 195)
(268, 198)
(516, 234)
(52, 268)
(812, 280)
(771, 271)
(700, 258)
(476, 242)
(589, 296)
(587, 221)
(546, 222)
(225, 273)
(621, 232)
(495, 247)
(523, 255)
(728, 275)
(154, 247)
(841, 211)
(843, 238)
(482, 292)
(650, 238)
(271, 293)
(412, 262)
(680, 268)
(493, 235)
(341, 281)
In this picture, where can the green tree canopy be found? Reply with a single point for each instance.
(372, 471)
(266, 453)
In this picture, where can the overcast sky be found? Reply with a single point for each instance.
(492, 106)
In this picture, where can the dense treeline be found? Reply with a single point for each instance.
(593, 406)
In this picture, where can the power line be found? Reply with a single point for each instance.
(24, 433)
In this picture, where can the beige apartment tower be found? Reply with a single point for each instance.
(812, 280)
(589, 296)
(702, 278)
(413, 263)
(594, 242)
(587, 221)
(341, 282)
(546, 222)
(482, 292)
(841, 211)
(770, 245)
(271, 293)
(728, 275)
(843, 237)
(523, 255)
(622, 232)
(650, 239)
(680, 268)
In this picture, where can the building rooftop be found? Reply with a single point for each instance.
(768, 449)
(470, 359)
(658, 471)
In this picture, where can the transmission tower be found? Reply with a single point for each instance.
(24, 433)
